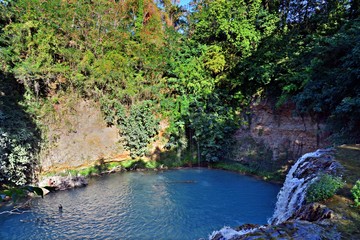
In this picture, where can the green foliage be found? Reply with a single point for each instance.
(213, 125)
(18, 137)
(17, 158)
(21, 192)
(138, 127)
(55, 45)
(236, 25)
(129, 56)
(214, 59)
(323, 188)
(128, 163)
(151, 164)
(58, 46)
(313, 64)
(206, 107)
(356, 193)
(87, 171)
(102, 168)
(200, 110)
(333, 86)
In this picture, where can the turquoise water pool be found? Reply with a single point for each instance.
(176, 204)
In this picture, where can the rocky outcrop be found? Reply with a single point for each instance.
(63, 182)
(282, 131)
(310, 222)
(294, 230)
(305, 171)
(314, 212)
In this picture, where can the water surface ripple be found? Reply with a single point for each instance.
(177, 204)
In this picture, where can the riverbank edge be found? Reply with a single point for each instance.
(150, 165)
(47, 179)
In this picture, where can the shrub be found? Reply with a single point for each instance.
(138, 127)
(16, 156)
(323, 188)
(356, 193)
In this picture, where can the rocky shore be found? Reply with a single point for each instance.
(63, 182)
(313, 221)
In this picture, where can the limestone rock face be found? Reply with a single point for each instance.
(78, 136)
(285, 133)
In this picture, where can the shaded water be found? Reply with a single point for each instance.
(178, 204)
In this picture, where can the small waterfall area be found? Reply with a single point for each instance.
(292, 195)
(304, 172)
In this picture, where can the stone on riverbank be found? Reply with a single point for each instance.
(63, 182)
(294, 230)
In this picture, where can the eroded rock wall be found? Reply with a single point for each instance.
(282, 131)
(78, 136)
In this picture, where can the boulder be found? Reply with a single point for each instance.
(314, 212)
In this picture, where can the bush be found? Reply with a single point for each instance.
(356, 193)
(138, 127)
(19, 144)
(16, 157)
(323, 188)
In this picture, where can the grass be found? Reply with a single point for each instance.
(275, 176)
(349, 157)
(342, 203)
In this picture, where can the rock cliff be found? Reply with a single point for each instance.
(280, 131)
(78, 136)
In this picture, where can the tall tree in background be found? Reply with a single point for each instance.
(304, 60)
(208, 95)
